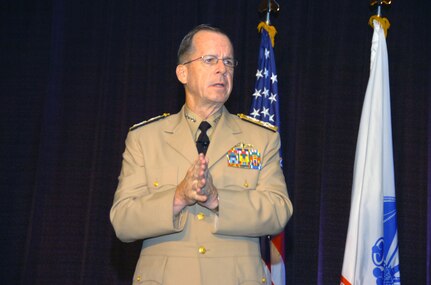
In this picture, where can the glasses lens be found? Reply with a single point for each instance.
(210, 59)
(229, 62)
(213, 60)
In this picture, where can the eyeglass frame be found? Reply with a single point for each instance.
(207, 57)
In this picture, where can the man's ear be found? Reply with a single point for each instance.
(182, 73)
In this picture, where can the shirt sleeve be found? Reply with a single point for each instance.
(137, 212)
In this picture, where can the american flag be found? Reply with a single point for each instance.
(265, 96)
(265, 108)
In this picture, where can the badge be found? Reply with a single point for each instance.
(244, 156)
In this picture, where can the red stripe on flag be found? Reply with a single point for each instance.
(344, 281)
(278, 242)
(278, 270)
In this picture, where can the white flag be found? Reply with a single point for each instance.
(371, 252)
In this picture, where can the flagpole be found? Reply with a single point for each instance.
(268, 6)
(378, 5)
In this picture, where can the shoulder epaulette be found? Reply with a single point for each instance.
(138, 125)
(252, 120)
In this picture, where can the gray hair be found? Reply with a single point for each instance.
(186, 46)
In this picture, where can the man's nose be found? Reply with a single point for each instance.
(221, 67)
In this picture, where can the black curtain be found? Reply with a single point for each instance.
(76, 74)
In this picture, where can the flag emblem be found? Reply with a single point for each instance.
(387, 269)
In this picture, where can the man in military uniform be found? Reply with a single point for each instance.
(200, 187)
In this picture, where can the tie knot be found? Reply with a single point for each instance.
(204, 126)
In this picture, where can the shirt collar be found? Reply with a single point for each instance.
(194, 121)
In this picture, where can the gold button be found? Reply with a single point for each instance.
(156, 184)
(138, 278)
(201, 216)
(202, 250)
(263, 280)
(246, 184)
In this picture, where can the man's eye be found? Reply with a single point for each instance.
(210, 60)
(228, 61)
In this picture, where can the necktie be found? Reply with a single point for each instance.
(203, 140)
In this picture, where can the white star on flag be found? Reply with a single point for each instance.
(256, 94)
(271, 119)
(255, 113)
(273, 98)
(265, 112)
(274, 78)
(259, 73)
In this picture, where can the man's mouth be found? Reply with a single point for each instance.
(218, 85)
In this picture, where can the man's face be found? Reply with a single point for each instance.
(208, 85)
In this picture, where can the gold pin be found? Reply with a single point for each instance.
(201, 216)
(202, 250)
(190, 118)
(156, 184)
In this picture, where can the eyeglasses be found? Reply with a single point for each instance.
(213, 60)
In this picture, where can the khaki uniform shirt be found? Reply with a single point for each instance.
(200, 247)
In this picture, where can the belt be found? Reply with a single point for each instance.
(229, 248)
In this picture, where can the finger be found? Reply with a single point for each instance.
(204, 191)
(200, 198)
(197, 169)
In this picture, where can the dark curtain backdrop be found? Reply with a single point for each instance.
(76, 74)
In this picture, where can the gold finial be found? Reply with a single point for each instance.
(268, 6)
(378, 5)
(375, 4)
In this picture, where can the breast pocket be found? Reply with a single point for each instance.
(239, 179)
(162, 178)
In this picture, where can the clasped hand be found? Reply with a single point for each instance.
(196, 187)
